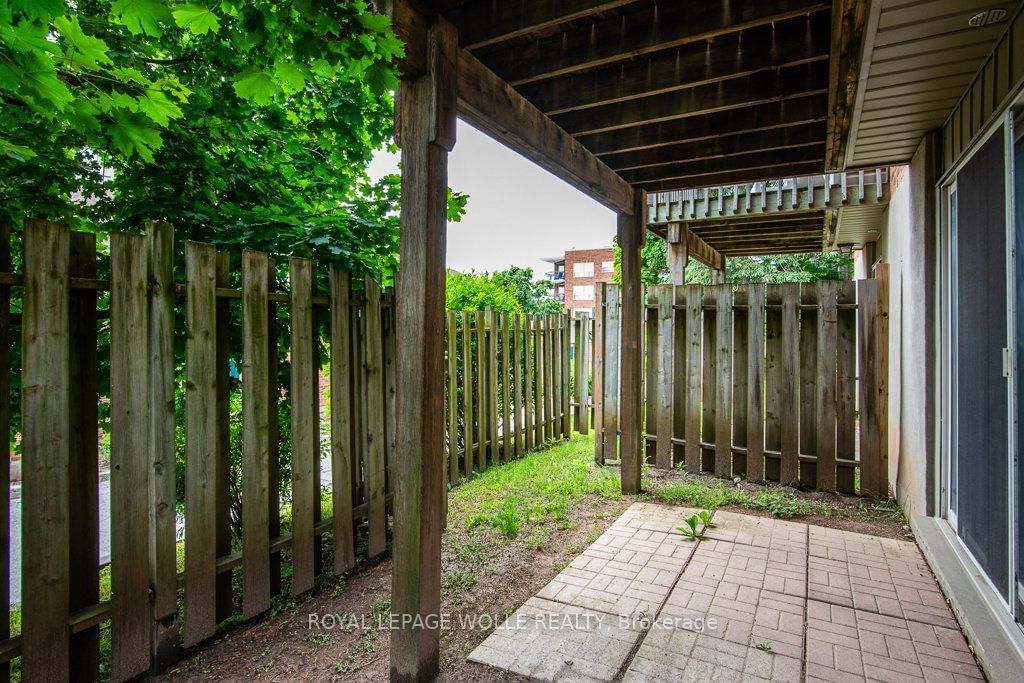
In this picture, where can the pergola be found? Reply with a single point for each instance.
(618, 98)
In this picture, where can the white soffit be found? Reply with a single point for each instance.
(918, 58)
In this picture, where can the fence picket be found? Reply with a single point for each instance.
(825, 398)
(375, 452)
(789, 406)
(600, 353)
(740, 356)
(565, 330)
(482, 401)
(694, 364)
(529, 381)
(773, 381)
(163, 504)
(516, 350)
(611, 379)
(651, 359)
(467, 397)
(453, 399)
(200, 443)
(492, 385)
(755, 382)
(665, 317)
(709, 413)
(305, 419)
(342, 436)
(255, 435)
(809, 294)
(723, 384)
(506, 358)
(867, 347)
(846, 430)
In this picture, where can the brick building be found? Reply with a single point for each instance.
(575, 274)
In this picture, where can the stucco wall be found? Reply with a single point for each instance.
(907, 244)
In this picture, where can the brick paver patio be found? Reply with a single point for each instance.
(756, 599)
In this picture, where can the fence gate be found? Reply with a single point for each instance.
(777, 382)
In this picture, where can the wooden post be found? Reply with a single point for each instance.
(427, 125)
(46, 432)
(678, 254)
(163, 492)
(631, 237)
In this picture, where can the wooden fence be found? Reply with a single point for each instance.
(508, 379)
(780, 382)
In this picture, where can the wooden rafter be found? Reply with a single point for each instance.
(793, 42)
(737, 175)
(627, 35)
(776, 116)
(484, 22)
(760, 88)
(812, 151)
(495, 107)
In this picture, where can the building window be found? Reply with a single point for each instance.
(608, 266)
(583, 269)
(583, 292)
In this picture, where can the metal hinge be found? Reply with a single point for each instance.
(1007, 363)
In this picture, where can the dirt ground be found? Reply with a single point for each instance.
(503, 574)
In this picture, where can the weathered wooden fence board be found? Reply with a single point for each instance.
(508, 386)
(756, 380)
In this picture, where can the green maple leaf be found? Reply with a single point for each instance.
(372, 21)
(39, 9)
(82, 49)
(26, 37)
(291, 76)
(16, 152)
(256, 85)
(381, 77)
(159, 107)
(133, 133)
(196, 19)
(39, 86)
(142, 16)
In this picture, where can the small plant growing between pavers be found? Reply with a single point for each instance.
(696, 525)
(765, 646)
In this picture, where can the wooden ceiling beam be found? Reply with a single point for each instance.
(747, 175)
(849, 20)
(482, 23)
(698, 249)
(758, 230)
(720, 241)
(682, 169)
(760, 88)
(761, 219)
(714, 148)
(776, 116)
(792, 42)
(625, 36)
(774, 251)
(493, 106)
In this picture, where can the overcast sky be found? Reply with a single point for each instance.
(517, 214)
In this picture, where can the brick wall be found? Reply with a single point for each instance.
(595, 256)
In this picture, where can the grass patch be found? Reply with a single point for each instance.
(536, 489)
(782, 502)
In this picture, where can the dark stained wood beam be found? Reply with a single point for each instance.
(849, 19)
(747, 175)
(774, 250)
(485, 22)
(763, 219)
(767, 117)
(622, 37)
(631, 235)
(683, 169)
(760, 88)
(715, 148)
(493, 106)
(697, 248)
(794, 41)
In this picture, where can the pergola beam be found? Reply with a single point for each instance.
(763, 87)
(485, 22)
(776, 116)
(797, 41)
(620, 38)
(812, 151)
(714, 148)
(493, 106)
(849, 20)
